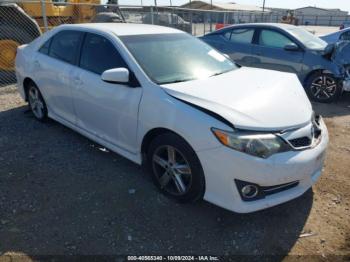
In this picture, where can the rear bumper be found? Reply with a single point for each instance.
(222, 166)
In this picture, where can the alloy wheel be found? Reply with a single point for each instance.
(36, 103)
(172, 170)
(323, 87)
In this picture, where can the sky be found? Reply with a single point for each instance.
(342, 4)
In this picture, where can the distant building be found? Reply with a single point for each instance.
(320, 16)
(236, 13)
(222, 6)
(310, 10)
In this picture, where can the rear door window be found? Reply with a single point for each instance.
(98, 54)
(240, 35)
(65, 45)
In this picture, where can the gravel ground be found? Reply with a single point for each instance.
(61, 194)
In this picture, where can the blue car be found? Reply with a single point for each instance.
(287, 48)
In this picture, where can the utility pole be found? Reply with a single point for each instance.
(155, 2)
(264, 6)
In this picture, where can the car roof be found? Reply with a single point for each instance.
(271, 25)
(121, 29)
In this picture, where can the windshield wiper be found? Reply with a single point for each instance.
(176, 81)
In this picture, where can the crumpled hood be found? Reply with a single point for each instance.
(249, 98)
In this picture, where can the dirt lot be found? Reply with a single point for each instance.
(61, 194)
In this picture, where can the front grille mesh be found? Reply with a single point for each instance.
(300, 142)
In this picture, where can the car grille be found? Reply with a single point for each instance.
(306, 141)
(300, 142)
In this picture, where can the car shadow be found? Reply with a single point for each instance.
(340, 107)
(62, 194)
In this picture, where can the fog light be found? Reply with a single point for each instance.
(249, 191)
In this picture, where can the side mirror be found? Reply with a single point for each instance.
(116, 75)
(291, 47)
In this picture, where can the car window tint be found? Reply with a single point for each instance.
(64, 46)
(273, 39)
(98, 54)
(44, 49)
(345, 36)
(243, 36)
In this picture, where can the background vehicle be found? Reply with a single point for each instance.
(344, 25)
(342, 35)
(110, 81)
(285, 48)
(290, 19)
(29, 23)
(167, 19)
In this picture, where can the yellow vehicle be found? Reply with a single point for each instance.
(22, 22)
(290, 19)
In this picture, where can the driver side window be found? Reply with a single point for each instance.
(274, 39)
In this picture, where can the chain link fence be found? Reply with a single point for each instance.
(23, 21)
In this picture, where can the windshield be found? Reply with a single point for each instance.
(309, 40)
(179, 57)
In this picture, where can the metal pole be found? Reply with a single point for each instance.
(43, 11)
(171, 3)
(155, 2)
(264, 6)
(152, 18)
(211, 8)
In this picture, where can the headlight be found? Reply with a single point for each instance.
(260, 145)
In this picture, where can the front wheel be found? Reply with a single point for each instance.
(323, 87)
(175, 168)
(37, 103)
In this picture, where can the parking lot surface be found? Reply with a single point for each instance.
(61, 194)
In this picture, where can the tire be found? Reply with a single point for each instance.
(36, 103)
(167, 173)
(323, 87)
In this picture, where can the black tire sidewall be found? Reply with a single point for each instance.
(313, 98)
(197, 188)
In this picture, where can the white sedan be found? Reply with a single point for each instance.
(244, 139)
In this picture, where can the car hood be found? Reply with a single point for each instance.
(249, 98)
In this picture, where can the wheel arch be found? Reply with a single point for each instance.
(26, 83)
(152, 134)
(315, 71)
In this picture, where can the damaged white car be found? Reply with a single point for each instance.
(242, 138)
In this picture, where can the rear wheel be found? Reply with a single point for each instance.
(36, 103)
(175, 168)
(323, 87)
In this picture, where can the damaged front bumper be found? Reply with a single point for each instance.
(346, 85)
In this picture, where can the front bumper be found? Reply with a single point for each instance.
(346, 85)
(223, 165)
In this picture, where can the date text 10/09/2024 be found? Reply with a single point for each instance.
(172, 258)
